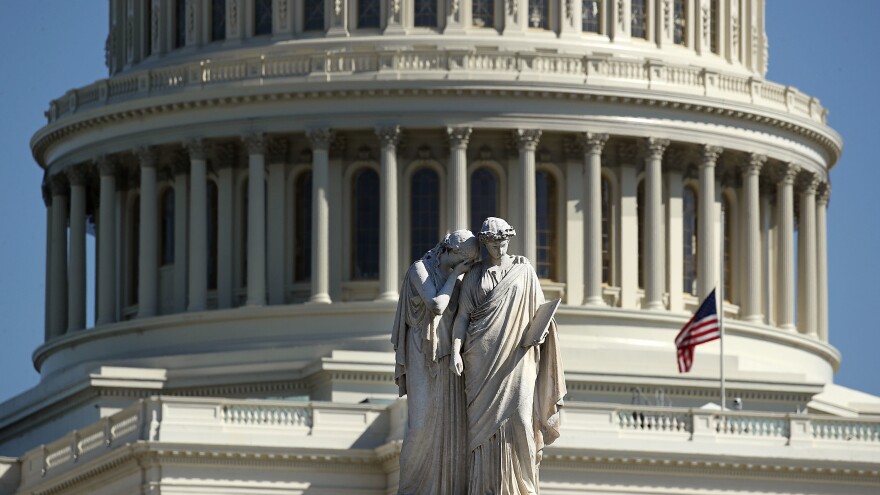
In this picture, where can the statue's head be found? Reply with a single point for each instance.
(461, 245)
(495, 236)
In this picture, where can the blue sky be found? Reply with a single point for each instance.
(826, 49)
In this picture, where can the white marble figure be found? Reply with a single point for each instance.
(513, 386)
(432, 461)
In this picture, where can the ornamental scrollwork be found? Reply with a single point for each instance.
(656, 146)
(320, 138)
(388, 136)
(756, 163)
(592, 142)
(458, 136)
(527, 138)
(710, 153)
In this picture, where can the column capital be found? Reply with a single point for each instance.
(709, 155)
(388, 136)
(655, 147)
(320, 138)
(106, 165)
(458, 136)
(527, 138)
(809, 183)
(77, 175)
(593, 142)
(146, 156)
(59, 185)
(755, 164)
(786, 173)
(196, 148)
(824, 193)
(255, 143)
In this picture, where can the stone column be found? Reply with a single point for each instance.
(675, 231)
(388, 139)
(320, 140)
(76, 292)
(181, 220)
(278, 151)
(47, 306)
(198, 226)
(527, 143)
(822, 261)
(226, 157)
(58, 255)
(628, 241)
(107, 244)
(707, 246)
(256, 232)
(807, 278)
(148, 263)
(785, 247)
(458, 183)
(591, 199)
(654, 273)
(751, 307)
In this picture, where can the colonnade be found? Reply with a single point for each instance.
(765, 243)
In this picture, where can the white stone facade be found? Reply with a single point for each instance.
(241, 346)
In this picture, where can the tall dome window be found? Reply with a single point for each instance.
(218, 20)
(302, 242)
(212, 213)
(689, 229)
(134, 250)
(368, 14)
(713, 26)
(639, 19)
(606, 230)
(484, 196)
(547, 193)
(179, 23)
(425, 13)
(167, 230)
(424, 211)
(483, 13)
(539, 14)
(313, 15)
(679, 32)
(590, 12)
(365, 245)
(640, 216)
(262, 17)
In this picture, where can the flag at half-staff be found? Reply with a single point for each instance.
(701, 328)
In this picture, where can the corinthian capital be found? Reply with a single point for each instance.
(388, 136)
(196, 149)
(255, 143)
(592, 142)
(77, 175)
(655, 147)
(810, 183)
(710, 154)
(106, 165)
(756, 163)
(320, 138)
(786, 173)
(824, 193)
(528, 138)
(458, 136)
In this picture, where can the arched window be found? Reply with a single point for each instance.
(302, 237)
(590, 15)
(212, 234)
(313, 15)
(679, 33)
(606, 231)
(713, 25)
(539, 14)
(640, 214)
(179, 23)
(547, 195)
(134, 250)
(483, 13)
(365, 217)
(689, 229)
(425, 14)
(218, 20)
(638, 19)
(262, 17)
(167, 229)
(424, 212)
(484, 196)
(727, 206)
(368, 13)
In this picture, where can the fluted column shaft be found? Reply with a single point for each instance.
(107, 244)
(528, 232)
(591, 200)
(182, 188)
(198, 225)
(256, 231)
(822, 262)
(707, 251)
(47, 323)
(654, 224)
(148, 263)
(320, 140)
(388, 139)
(457, 185)
(807, 253)
(785, 248)
(76, 292)
(58, 256)
(752, 291)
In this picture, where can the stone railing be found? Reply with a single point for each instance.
(570, 71)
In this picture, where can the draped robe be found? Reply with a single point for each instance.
(431, 459)
(513, 392)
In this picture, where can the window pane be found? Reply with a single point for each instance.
(546, 192)
(366, 226)
(218, 20)
(245, 193)
(690, 240)
(368, 13)
(212, 235)
(539, 14)
(167, 245)
(424, 211)
(262, 17)
(590, 16)
(606, 231)
(728, 250)
(134, 251)
(313, 15)
(713, 26)
(640, 214)
(148, 29)
(638, 23)
(680, 23)
(484, 197)
(483, 13)
(303, 228)
(179, 23)
(425, 13)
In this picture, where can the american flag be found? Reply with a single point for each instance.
(701, 328)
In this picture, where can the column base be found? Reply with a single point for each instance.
(388, 296)
(788, 327)
(754, 319)
(594, 301)
(320, 298)
(655, 306)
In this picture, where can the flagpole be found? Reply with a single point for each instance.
(720, 293)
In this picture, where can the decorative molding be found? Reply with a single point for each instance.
(655, 147)
(709, 155)
(755, 164)
(527, 139)
(320, 138)
(458, 136)
(593, 143)
(786, 173)
(255, 143)
(388, 136)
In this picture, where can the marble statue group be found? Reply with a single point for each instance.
(481, 370)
